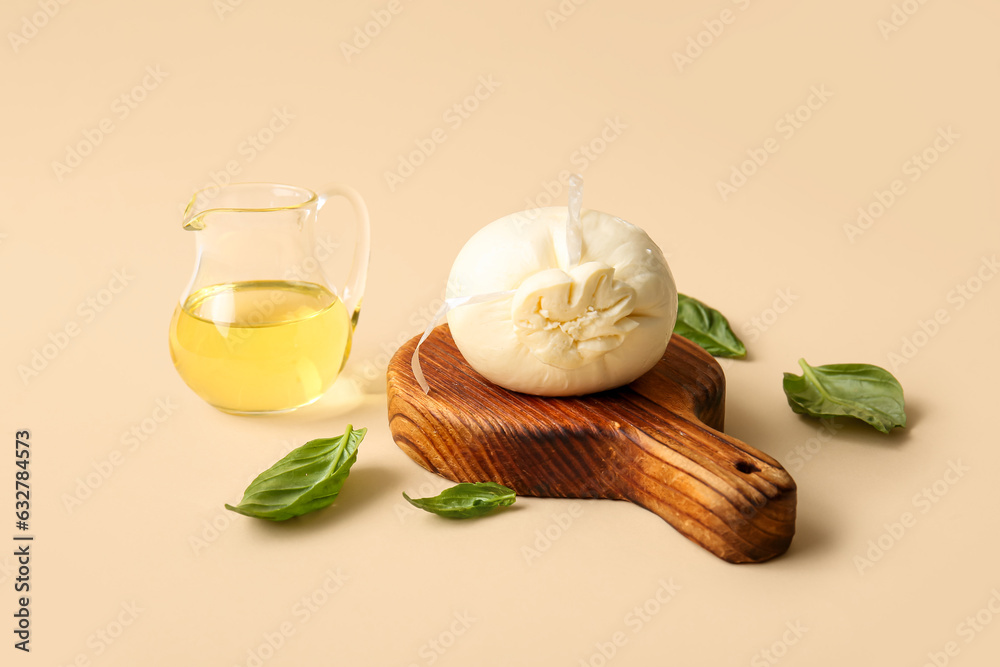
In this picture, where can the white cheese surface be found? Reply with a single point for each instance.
(565, 330)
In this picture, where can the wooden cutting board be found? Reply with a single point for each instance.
(656, 442)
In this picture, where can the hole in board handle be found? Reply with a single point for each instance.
(746, 468)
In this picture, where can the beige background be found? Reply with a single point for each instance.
(147, 568)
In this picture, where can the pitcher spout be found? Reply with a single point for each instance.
(194, 217)
(245, 198)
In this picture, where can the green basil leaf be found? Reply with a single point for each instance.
(708, 328)
(307, 479)
(862, 391)
(466, 500)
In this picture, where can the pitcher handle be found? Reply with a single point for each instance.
(352, 292)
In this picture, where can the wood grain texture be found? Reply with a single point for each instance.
(657, 442)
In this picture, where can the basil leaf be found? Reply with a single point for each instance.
(307, 479)
(466, 500)
(708, 328)
(862, 391)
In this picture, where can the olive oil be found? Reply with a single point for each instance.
(260, 346)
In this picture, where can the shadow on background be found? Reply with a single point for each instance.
(364, 486)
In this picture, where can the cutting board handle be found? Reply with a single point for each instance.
(717, 491)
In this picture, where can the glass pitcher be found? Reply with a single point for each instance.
(261, 326)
